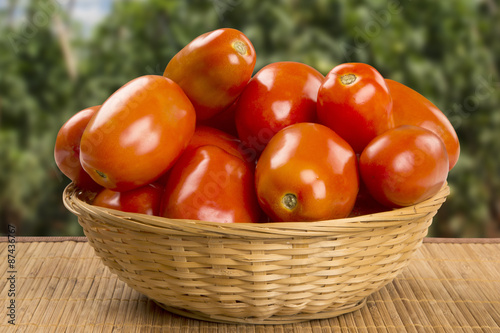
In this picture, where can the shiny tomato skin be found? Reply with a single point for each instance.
(279, 95)
(355, 102)
(404, 166)
(209, 136)
(411, 108)
(138, 133)
(307, 173)
(67, 149)
(213, 69)
(143, 200)
(210, 184)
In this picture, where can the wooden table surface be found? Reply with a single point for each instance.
(59, 285)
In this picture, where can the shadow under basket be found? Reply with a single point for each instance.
(255, 273)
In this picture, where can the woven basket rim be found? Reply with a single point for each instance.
(72, 198)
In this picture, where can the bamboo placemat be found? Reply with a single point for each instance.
(60, 285)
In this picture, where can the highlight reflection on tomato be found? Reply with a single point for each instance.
(404, 166)
(138, 133)
(307, 173)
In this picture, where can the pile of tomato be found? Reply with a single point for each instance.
(208, 141)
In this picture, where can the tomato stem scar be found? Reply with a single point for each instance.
(101, 174)
(240, 47)
(348, 79)
(289, 200)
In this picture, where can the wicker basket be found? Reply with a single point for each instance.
(269, 273)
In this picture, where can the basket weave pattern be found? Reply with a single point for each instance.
(269, 273)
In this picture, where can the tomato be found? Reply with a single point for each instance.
(307, 173)
(210, 184)
(404, 166)
(411, 108)
(205, 136)
(138, 133)
(213, 69)
(365, 203)
(67, 149)
(144, 200)
(355, 102)
(280, 94)
(223, 120)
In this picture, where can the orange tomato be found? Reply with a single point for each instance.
(138, 133)
(411, 108)
(307, 173)
(213, 69)
(67, 149)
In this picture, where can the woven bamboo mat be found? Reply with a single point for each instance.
(60, 285)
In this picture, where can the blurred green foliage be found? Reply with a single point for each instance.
(448, 51)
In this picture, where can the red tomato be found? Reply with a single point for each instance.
(67, 149)
(411, 108)
(144, 200)
(307, 173)
(223, 120)
(279, 95)
(355, 102)
(208, 136)
(138, 133)
(404, 166)
(210, 184)
(213, 69)
(365, 204)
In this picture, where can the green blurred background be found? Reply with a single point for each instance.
(58, 57)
